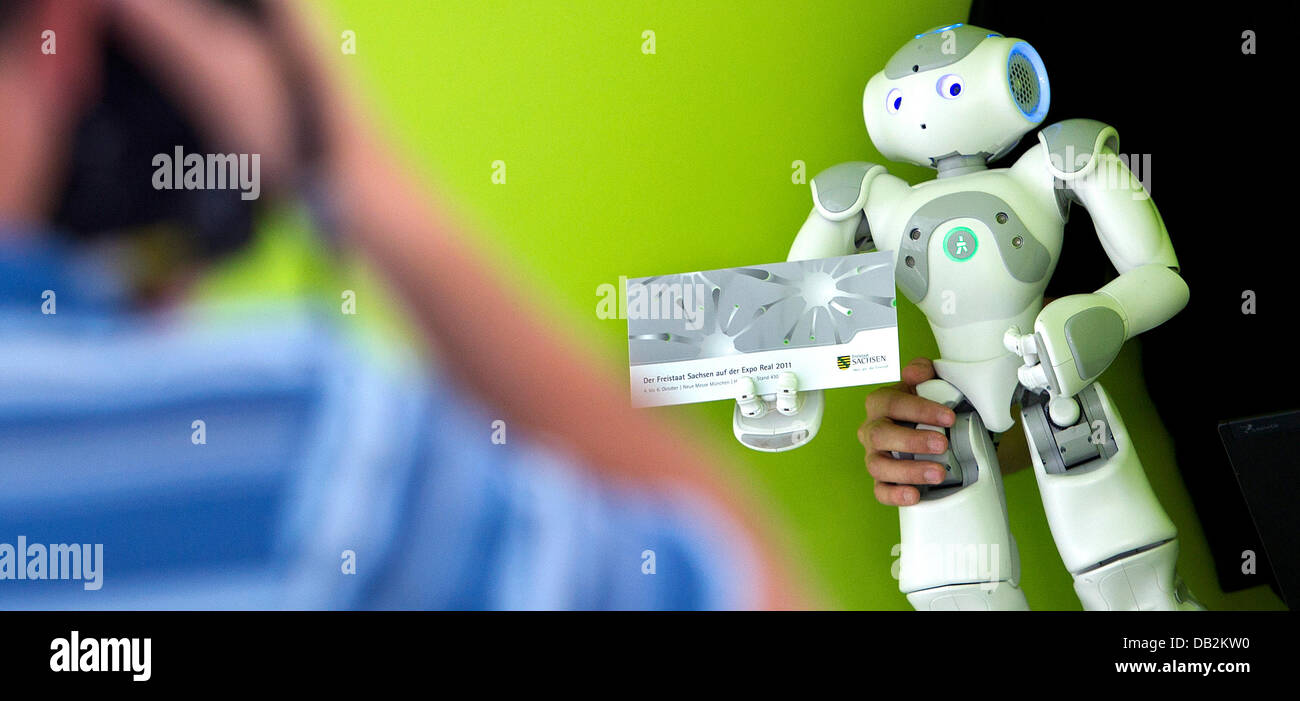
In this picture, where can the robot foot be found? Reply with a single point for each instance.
(985, 596)
(1143, 580)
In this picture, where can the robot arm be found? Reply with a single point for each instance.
(838, 222)
(820, 237)
(836, 226)
(1075, 338)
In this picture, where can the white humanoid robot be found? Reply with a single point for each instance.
(974, 250)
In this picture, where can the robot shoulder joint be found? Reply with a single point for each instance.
(840, 192)
(1072, 146)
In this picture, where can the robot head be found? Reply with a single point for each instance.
(955, 90)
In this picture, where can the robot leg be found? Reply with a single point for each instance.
(1110, 529)
(957, 552)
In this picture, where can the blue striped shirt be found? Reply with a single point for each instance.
(320, 454)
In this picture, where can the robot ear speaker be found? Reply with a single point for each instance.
(1027, 80)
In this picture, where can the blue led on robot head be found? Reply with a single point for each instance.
(1027, 82)
(938, 30)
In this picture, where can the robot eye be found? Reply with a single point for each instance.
(894, 100)
(950, 86)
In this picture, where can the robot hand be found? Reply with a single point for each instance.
(783, 420)
(1074, 340)
(1077, 336)
(787, 399)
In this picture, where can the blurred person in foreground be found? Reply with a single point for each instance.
(330, 474)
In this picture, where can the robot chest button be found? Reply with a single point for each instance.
(960, 243)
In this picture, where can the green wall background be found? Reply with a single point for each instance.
(621, 163)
